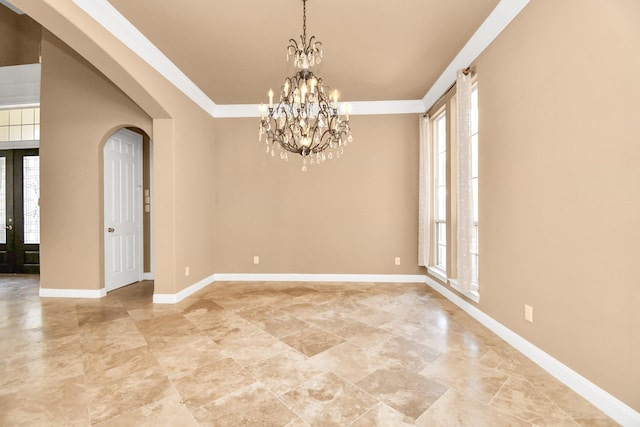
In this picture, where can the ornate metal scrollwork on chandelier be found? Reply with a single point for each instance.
(306, 120)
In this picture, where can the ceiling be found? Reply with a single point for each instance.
(374, 50)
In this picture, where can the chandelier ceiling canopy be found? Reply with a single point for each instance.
(305, 118)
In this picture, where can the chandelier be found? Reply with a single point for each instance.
(305, 120)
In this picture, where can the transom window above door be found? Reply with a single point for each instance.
(20, 124)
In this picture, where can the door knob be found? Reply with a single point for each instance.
(9, 227)
(110, 230)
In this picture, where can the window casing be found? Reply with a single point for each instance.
(440, 191)
(444, 175)
(474, 182)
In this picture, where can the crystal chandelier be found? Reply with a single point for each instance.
(305, 120)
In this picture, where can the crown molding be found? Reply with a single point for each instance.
(500, 17)
(114, 22)
(358, 108)
(12, 7)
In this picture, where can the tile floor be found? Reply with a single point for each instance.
(266, 354)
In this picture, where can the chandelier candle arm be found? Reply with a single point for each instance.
(306, 120)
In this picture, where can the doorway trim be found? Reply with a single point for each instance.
(135, 249)
(150, 275)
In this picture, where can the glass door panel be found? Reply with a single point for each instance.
(3, 200)
(19, 211)
(31, 199)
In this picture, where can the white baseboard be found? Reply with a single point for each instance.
(238, 277)
(616, 409)
(147, 276)
(72, 293)
(176, 298)
(352, 278)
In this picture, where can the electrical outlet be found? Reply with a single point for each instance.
(186, 271)
(256, 259)
(528, 313)
(397, 260)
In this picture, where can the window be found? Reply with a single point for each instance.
(474, 181)
(440, 191)
(20, 124)
(444, 168)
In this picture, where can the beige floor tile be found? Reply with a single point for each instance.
(99, 368)
(210, 382)
(253, 348)
(53, 403)
(520, 399)
(328, 400)
(285, 371)
(312, 341)
(226, 327)
(258, 353)
(383, 415)
(113, 398)
(466, 376)
(303, 310)
(24, 371)
(454, 410)
(328, 320)
(166, 412)
(372, 317)
(403, 353)
(406, 391)
(349, 361)
(200, 308)
(88, 315)
(178, 360)
(250, 406)
(571, 403)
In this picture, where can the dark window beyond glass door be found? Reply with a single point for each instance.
(19, 211)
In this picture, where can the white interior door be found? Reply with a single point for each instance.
(123, 209)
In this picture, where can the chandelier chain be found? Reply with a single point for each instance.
(304, 21)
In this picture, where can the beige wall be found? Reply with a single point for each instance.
(80, 109)
(559, 185)
(350, 215)
(559, 203)
(19, 38)
(183, 144)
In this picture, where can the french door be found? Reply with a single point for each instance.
(19, 211)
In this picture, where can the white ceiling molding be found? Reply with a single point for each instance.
(386, 107)
(12, 7)
(497, 21)
(358, 108)
(113, 21)
(19, 85)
